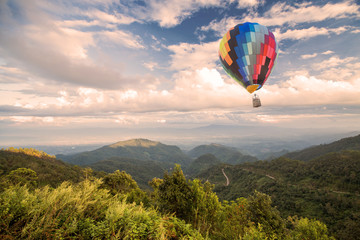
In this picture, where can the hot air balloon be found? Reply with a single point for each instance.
(248, 53)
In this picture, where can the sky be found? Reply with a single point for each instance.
(94, 71)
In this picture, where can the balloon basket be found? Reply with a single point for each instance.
(256, 101)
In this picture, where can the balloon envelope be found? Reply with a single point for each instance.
(248, 53)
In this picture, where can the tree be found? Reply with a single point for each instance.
(174, 195)
(22, 176)
(119, 182)
(261, 212)
(309, 229)
(205, 205)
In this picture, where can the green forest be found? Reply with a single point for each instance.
(42, 197)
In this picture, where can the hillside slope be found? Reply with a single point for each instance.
(141, 171)
(350, 143)
(49, 169)
(223, 153)
(202, 163)
(326, 188)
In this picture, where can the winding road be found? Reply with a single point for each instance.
(227, 179)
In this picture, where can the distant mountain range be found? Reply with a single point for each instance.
(145, 159)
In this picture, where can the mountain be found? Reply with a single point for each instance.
(49, 169)
(223, 153)
(141, 149)
(350, 143)
(202, 163)
(141, 171)
(326, 188)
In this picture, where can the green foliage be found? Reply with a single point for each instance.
(305, 229)
(197, 204)
(142, 171)
(350, 143)
(21, 176)
(262, 213)
(232, 220)
(202, 163)
(82, 211)
(49, 170)
(325, 188)
(119, 182)
(205, 206)
(116, 208)
(29, 151)
(174, 195)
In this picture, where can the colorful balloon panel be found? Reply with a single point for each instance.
(248, 53)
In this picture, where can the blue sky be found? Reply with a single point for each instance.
(75, 68)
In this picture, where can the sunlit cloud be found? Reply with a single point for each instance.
(307, 56)
(171, 13)
(122, 38)
(282, 13)
(333, 62)
(298, 34)
(193, 56)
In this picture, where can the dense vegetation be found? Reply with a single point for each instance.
(114, 207)
(49, 170)
(142, 171)
(202, 163)
(325, 188)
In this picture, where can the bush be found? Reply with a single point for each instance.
(82, 211)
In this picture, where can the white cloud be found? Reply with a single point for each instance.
(172, 12)
(222, 26)
(307, 56)
(333, 62)
(150, 65)
(282, 13)
(109, 19)
(328, 52)
(306, 33)
(304, 90)
(193, 56)
(119, 37)
(67, 41)
(249, 3)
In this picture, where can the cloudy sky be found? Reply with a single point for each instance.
(88, 71)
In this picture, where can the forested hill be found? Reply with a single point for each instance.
(49, 170)
(325, 188)
(350, 143)
(142, 149)
(223, 153)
